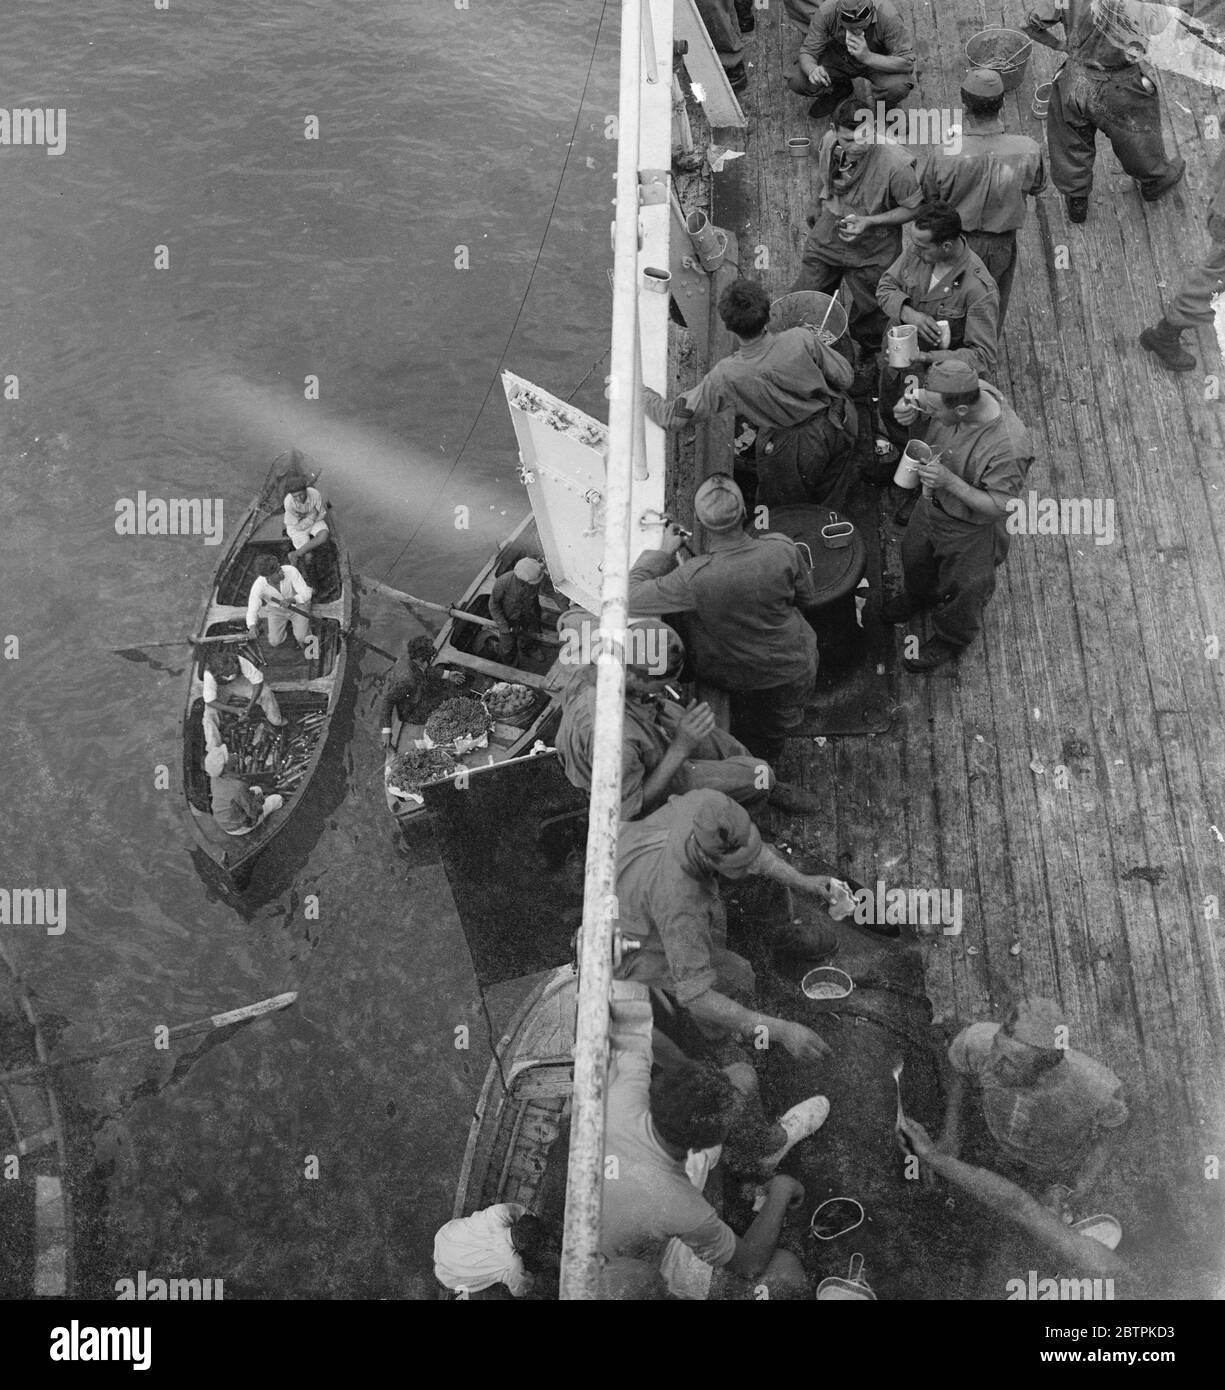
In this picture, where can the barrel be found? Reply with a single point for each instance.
(1005, 50)
(809, 306)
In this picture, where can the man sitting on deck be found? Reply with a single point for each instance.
(237, 807)
(668, 869)
(514, 604)
(278, 585)
(305, 516)
(666, 749)
(661, 1129)
(937, 277)
(229, 675)
(957, 536)
(792, 387)
(747, 633)
(987, 180)
(1042, 1114)
(849, 39)
(866, 189)
(414, 687)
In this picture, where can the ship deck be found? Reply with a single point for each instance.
(1066, 774)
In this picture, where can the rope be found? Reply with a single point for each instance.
(493, 381)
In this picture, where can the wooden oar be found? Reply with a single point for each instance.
(460, 614)
(225, 1020)
(134, 653)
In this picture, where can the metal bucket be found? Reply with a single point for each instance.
(827, 982)
(811, 306)
(1042, 99)
(1005, 50)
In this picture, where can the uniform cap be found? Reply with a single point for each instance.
(1037, 1022)
(856, 11)
(951, 377)
(719, 504)
(214, 762)
(723, 830)
(982, 82)
(529, 570)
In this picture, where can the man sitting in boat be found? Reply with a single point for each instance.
(230, 676)
(667, 750)
(414, 686)
(493, 1251)
(792, 386)
(305, 517)
(668, 869)
(663, 1134)
(276, 586)
(237, 807)
(1040, 1114)
(514, 605)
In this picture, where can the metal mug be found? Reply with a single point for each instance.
(655, 279)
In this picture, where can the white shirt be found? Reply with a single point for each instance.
(301, 517)
(245, 667)
(475, 1252)
(292, 587)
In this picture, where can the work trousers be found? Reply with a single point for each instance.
(762, 719)
(278, 622)
(1084, 102)
(723, 26)
(951, 562)
(1193, 302)
(811, 462)
(890, 87)
(868, 320)
(998, 252)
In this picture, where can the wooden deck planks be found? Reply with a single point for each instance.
(1093, 658)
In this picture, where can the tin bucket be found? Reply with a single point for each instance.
(655, 279)
(902, 344)
(851, 1289)
(1004, 50)
(1042, 100)
(799, 147)
(827, 982)
(706, 241)
(915, 453)
(813, 307)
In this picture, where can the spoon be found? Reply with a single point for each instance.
(897, 1081)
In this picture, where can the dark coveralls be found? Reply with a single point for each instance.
(1193, 302)
(884, 179)
(949, 551)
(966, 296)
(792, 387)
(826, 43)
(1098, 88)
(515, 606)
(747, 635)
(723, 26)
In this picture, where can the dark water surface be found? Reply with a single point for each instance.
(288, 257)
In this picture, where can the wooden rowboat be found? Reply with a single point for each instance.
(468, 651)
(35, 1204)
(307, 684)
(519, 1140)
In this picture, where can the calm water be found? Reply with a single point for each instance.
(288, 258)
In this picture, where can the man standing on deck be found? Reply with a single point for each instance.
(1193, 303)
(937, 278)
(669, 909)
(1040, 1113)
(1104, 86)
(792, 387)
(747, 633)
(986, 181)
(849, 39)
(957, 535)
(666, 749)
(723, 25)
(278, 585)
(866, 190)
(514, 604)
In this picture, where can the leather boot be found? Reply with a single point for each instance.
(1165, 341)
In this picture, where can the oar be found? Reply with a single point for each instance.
(378, 587)
(286, 607)
(243, 1015)
(134, 653)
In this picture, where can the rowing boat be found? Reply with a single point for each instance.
(518, 1144)
(35, 1206)
(307, 683)
(466, 652)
